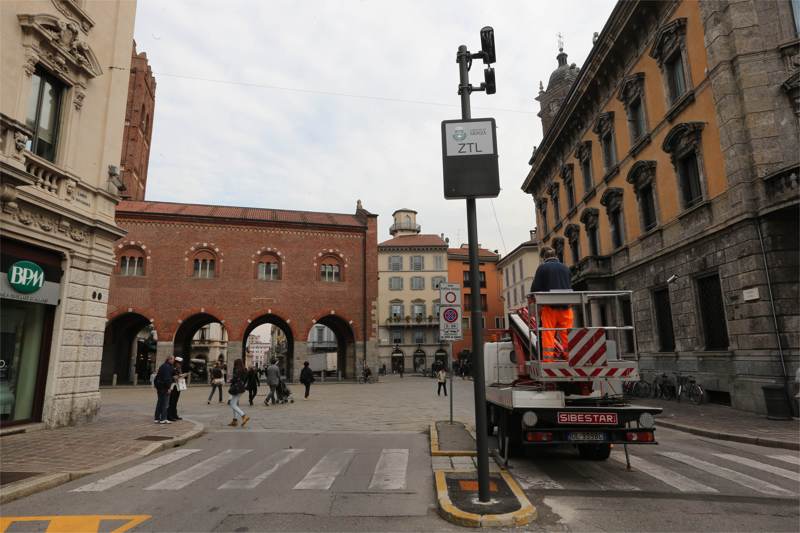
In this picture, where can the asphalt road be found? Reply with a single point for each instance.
(356, 458)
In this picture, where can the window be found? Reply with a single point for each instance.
(499, 322)
(796, 15)
(612, 200)
(131, 264)
(437, 280)
(609, 153)
(636, 119)
(521, 273)
(573, 232)
(330, 270)
(590, 217)
(419, 336)
(663, 310)
(418, 310)
(683, 143)
(569, 186)
(553, 191)
(604, 128)
(465, 323)
(397, 336)
(712, 312)
(204, 268)
(676, 82)
(269, 268)
(395, 263)
(584, 155)
(396, 310)
(438, 261)
(505, 272)
(417, 263)
(417, 283)
(482, 279)
(483, 322)
(632, 94)
(44, 112)
(468, 302)
(594, 245)
(558, 245)
(395, 283)
(542, 205)
(514, 272)
(642, 177)
(436, 307)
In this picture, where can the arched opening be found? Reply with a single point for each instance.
(129, 350)
(201, 339)
(419, 360)
(267, 337)
(440, 358)
(323, 350)
(345, 344)
(398, 360)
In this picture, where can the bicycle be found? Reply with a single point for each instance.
(637, 389)
(363, 377)
(688, 386)
(664, 387)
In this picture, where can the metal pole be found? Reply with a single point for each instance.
(451, 382)
(475, 288)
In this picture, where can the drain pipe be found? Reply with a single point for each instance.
(772, 305)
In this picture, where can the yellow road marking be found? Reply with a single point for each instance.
(75, 523)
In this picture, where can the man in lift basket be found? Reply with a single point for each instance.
(553, 275)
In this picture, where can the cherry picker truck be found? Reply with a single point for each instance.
(577, 399)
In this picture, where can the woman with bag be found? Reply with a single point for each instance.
(178, 386)
(306, 378)
(236, 390)
(216, 382)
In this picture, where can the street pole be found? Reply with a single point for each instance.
(464, 89)
(451, 382)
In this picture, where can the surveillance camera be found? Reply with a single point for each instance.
(487, 44)
(673, 278)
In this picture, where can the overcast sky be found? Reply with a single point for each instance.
(241, 119)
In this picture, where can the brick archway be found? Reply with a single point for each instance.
(124, 356)
(286, 361)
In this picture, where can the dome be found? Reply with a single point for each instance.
(564, 74)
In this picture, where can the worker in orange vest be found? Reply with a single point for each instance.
(553, 275)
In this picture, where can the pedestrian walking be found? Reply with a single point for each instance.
(178, 386)
(236, 389)
(252, 383)
(273, 378)
(216, 382)
(441, 377)
(163, 383)
(306, 378)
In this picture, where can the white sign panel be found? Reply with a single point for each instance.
(450, 323)
(450, 294)
(469, 138)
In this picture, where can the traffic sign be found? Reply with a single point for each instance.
(469, 158)
(450, 323)
(450, 294)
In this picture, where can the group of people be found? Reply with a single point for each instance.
(170, 380)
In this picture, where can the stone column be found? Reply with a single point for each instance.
(300, 354)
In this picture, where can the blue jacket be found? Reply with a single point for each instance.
(551, 275)
(164, 377)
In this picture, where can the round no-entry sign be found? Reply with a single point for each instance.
(450, 315)
(450, 297)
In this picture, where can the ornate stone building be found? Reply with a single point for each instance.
(62, 108)
(671, 169)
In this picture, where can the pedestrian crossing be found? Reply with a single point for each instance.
(706, 472)
(188, 466)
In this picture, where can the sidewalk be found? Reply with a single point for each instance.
(34, 461)
(725, 423)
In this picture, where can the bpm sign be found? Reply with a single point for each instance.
(25, 277)
(469, 158)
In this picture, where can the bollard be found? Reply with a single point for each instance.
(114, 380)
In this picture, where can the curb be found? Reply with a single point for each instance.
(524, 515)
(28, 487)
(436, 452)
(719, 435)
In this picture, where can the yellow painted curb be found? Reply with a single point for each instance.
(522, 516)
(436, 452)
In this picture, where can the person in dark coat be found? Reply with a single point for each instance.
(252, 383)
(175, 393)
(216, 382)
(163, 384)
(273, 378)
(306, 378)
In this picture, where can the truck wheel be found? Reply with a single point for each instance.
(509, 426)
(594, 452)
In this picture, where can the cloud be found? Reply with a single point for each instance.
(241, 144)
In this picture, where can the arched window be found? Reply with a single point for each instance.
(204, 264)
(131, 262)
(269, 267)
(330, 269)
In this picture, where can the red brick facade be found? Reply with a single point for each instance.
(138, 127)
(169, 237)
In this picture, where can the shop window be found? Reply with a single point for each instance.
(44, 113)
(269, 267)
(612, 200)
(663, 312)
(683, 143)
(330, 270)
(642, 177)
(712, 312)
(204, 264)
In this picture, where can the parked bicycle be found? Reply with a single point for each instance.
(689, 388)
(664, 387)
(637, 389)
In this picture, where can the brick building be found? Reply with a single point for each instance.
(670, 168)
(138, 127)
(491, 291)
(183, 266)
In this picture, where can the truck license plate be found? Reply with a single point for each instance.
(592, 436)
